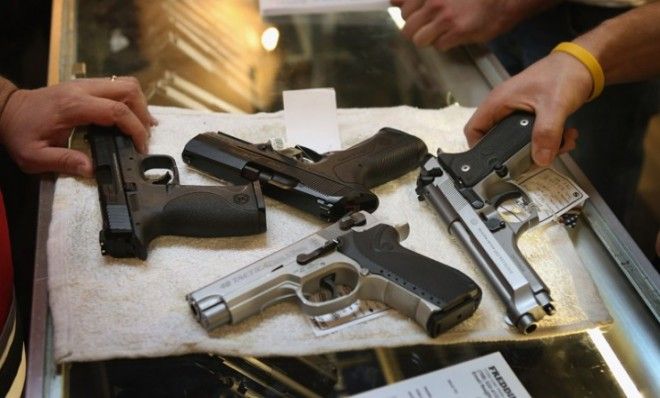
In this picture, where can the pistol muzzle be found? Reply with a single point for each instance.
(210, 312)
(526, 324)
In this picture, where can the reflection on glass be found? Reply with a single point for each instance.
(269, 39)
(222, 56)
(395, 14)
(618, 371)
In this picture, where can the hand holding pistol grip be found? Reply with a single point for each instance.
(137, 208)
(387, 155)
(492, 152)
(437, 296)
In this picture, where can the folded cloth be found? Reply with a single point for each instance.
(106, 308)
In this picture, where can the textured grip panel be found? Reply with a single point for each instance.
(378, 250)
(214, 211)
(493, 150)
(387, 155)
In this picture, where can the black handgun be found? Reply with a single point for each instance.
(136, 208)
(328, 186)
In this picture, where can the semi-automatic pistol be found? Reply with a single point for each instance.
(466, 190)
(357, 252)
(326, 185)
(137, 208)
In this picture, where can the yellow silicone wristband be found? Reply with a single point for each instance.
(589, 61)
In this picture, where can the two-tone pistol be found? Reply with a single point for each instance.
(466, 190)
(357, 252)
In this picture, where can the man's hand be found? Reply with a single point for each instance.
(552, 88)
(450, 23)
(36, 124)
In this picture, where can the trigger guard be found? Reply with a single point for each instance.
(160, 162)
(513, 193)
(312, 308)
(498, 199)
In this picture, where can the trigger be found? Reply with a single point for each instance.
(328, 283)
(163, 179)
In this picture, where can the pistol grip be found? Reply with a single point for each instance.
(387, 155)
(454, 295)
(492, 152)
(213, 211)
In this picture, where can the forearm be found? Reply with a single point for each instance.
(628, 46)
(449, 23)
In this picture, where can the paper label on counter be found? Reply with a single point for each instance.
(310, 117)
(286, 7)
(485, 377)
(552, 193)
(358, 312)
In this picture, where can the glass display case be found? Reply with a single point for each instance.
(223, 56)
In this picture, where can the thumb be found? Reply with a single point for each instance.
(546, 137)
(63, 160)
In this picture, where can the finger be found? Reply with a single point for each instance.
(429, 33)
(448, 40)
(478, 125)
(569, 141)
(124, 89)
(106, 112)
(409, 7)
(415, 22)
(61, 160)
(489, 113)
(546, 137)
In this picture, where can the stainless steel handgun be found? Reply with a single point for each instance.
(357, 252)
(466, 190)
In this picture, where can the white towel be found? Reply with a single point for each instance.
(107, 308)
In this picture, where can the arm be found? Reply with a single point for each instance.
(7, 88)
(627, 49)
(35, 125)
(449, 23)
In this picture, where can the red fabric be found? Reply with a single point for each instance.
(6, 272)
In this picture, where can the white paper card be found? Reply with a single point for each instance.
(358, 312)
(552, 193)
(488, 377)
(310, 117)
(287, 7)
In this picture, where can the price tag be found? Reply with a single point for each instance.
(287, 7)
(552, 193)
(485, 377)
(358, 312)
(310, 117)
